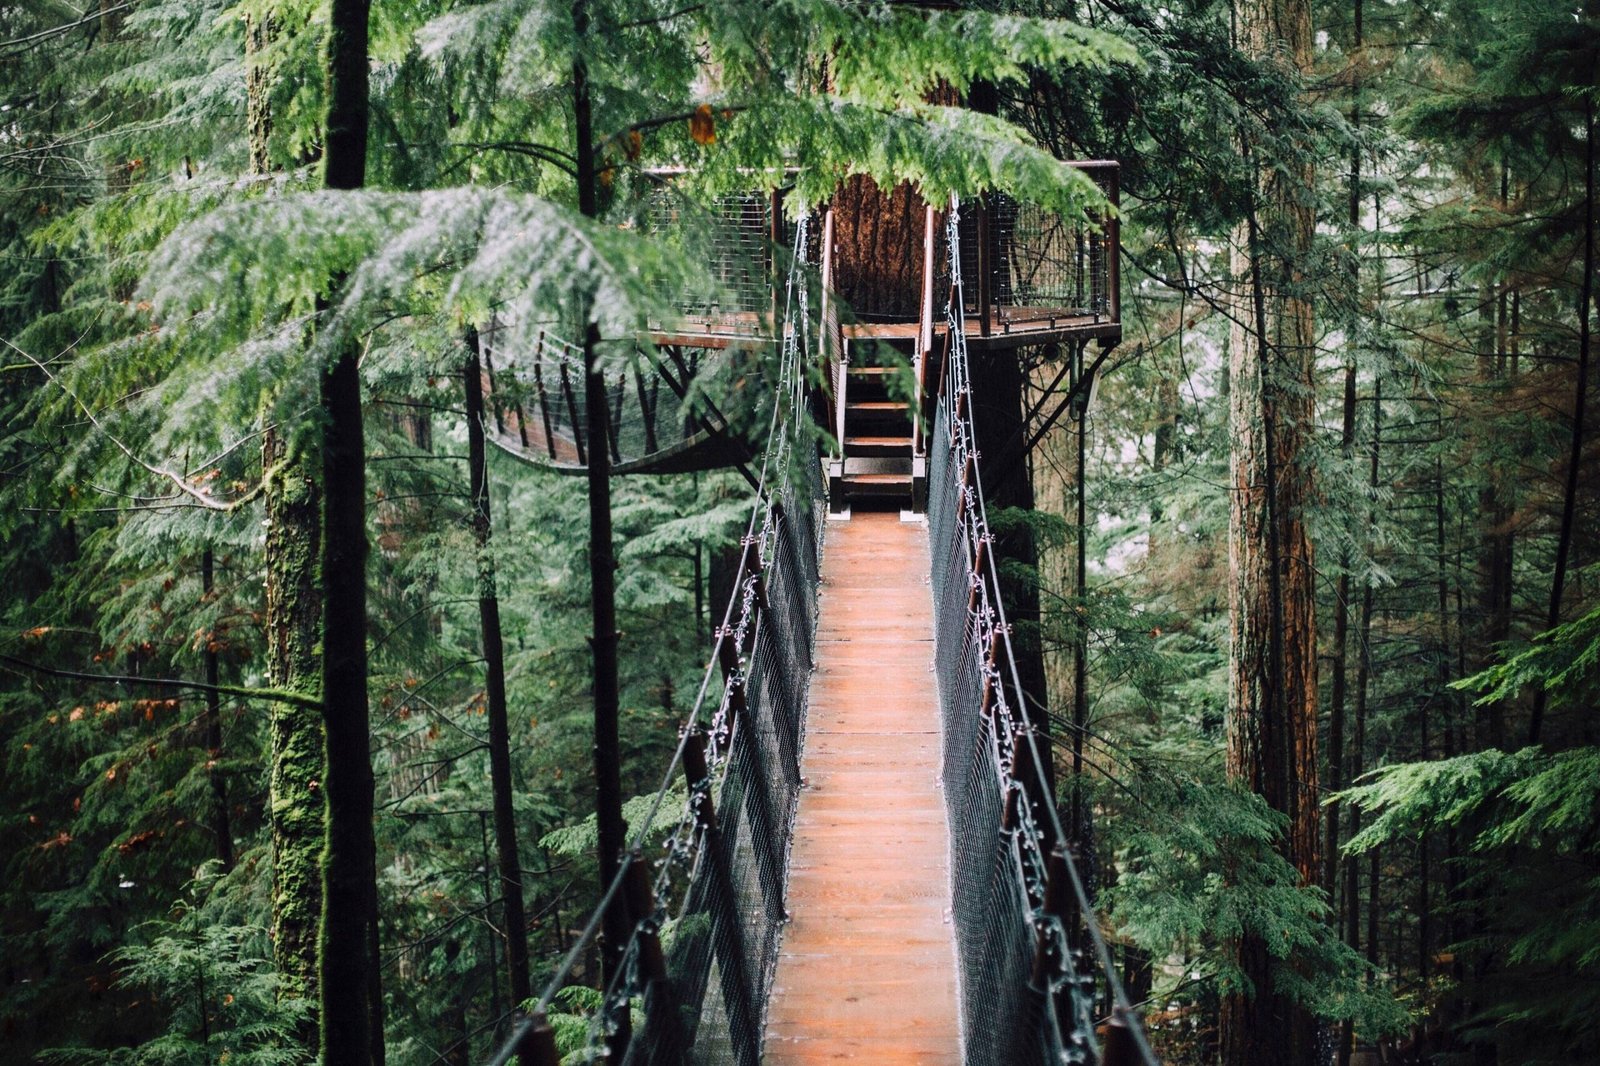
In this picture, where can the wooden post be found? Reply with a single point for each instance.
(544, 397)
(728, 658)
(984, 268)
(647, 412)
(775, 272)
(641, 908)
(697, 772)
(572, 412)
(1118, 1047)
(924, 334)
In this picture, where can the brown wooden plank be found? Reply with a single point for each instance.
(866, 970)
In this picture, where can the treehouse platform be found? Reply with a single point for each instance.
(882, 322)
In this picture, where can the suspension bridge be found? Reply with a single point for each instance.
(854, 852)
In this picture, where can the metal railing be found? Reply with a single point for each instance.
(535, 391)
(1034, 964)
(706, 906)
(1028, 268)
(735, 241)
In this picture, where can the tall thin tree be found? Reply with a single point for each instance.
(346, 964)
(514, 918)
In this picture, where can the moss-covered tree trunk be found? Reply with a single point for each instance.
(347, 964)
(1272, 697)
(293, 502)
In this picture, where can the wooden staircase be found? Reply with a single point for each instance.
(879, 470)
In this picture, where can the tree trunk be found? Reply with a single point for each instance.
(1347, 436)
(505, 827)
(1272, 700)
(259, 33)
(1569, 497)
(294, 798)
(612, 831)
(347, 966)
(877, 237)
(221, 830)
(293, 502)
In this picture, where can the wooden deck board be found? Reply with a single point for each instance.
(866, 971)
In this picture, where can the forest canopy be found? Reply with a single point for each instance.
(339, 650)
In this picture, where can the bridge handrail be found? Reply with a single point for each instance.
(998, 735)
(779, 558)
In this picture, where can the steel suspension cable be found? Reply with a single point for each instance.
(1022, 911)
(726, 874)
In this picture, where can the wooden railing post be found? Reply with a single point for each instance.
(544, 397)
(572, 413)
(697, 772)
(924, 334)
(1117, 1045)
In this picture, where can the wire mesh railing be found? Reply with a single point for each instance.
(535, 390)
(1034, 966)
(1034, 268)
(735, 240)
(707, 904)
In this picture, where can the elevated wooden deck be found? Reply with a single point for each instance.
(867, 969)
(1015, 328)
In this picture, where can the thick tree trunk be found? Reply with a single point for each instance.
(293, 501)
(1272, 699)
(347, 964)
(877, 237)
(505, 827)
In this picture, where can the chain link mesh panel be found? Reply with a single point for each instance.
(708, 912)
(1026, 995)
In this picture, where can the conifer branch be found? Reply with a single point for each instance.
(93, 15)
(298, 699)
(200, 496)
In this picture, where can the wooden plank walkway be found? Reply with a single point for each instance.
(867, 967)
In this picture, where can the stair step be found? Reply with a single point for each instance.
(886, 446)
(878, 409)
(869, 383)
(859, 485)
(870, 465)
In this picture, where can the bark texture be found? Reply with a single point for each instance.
(293, 501)
(1272, 698)
(877, 240)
